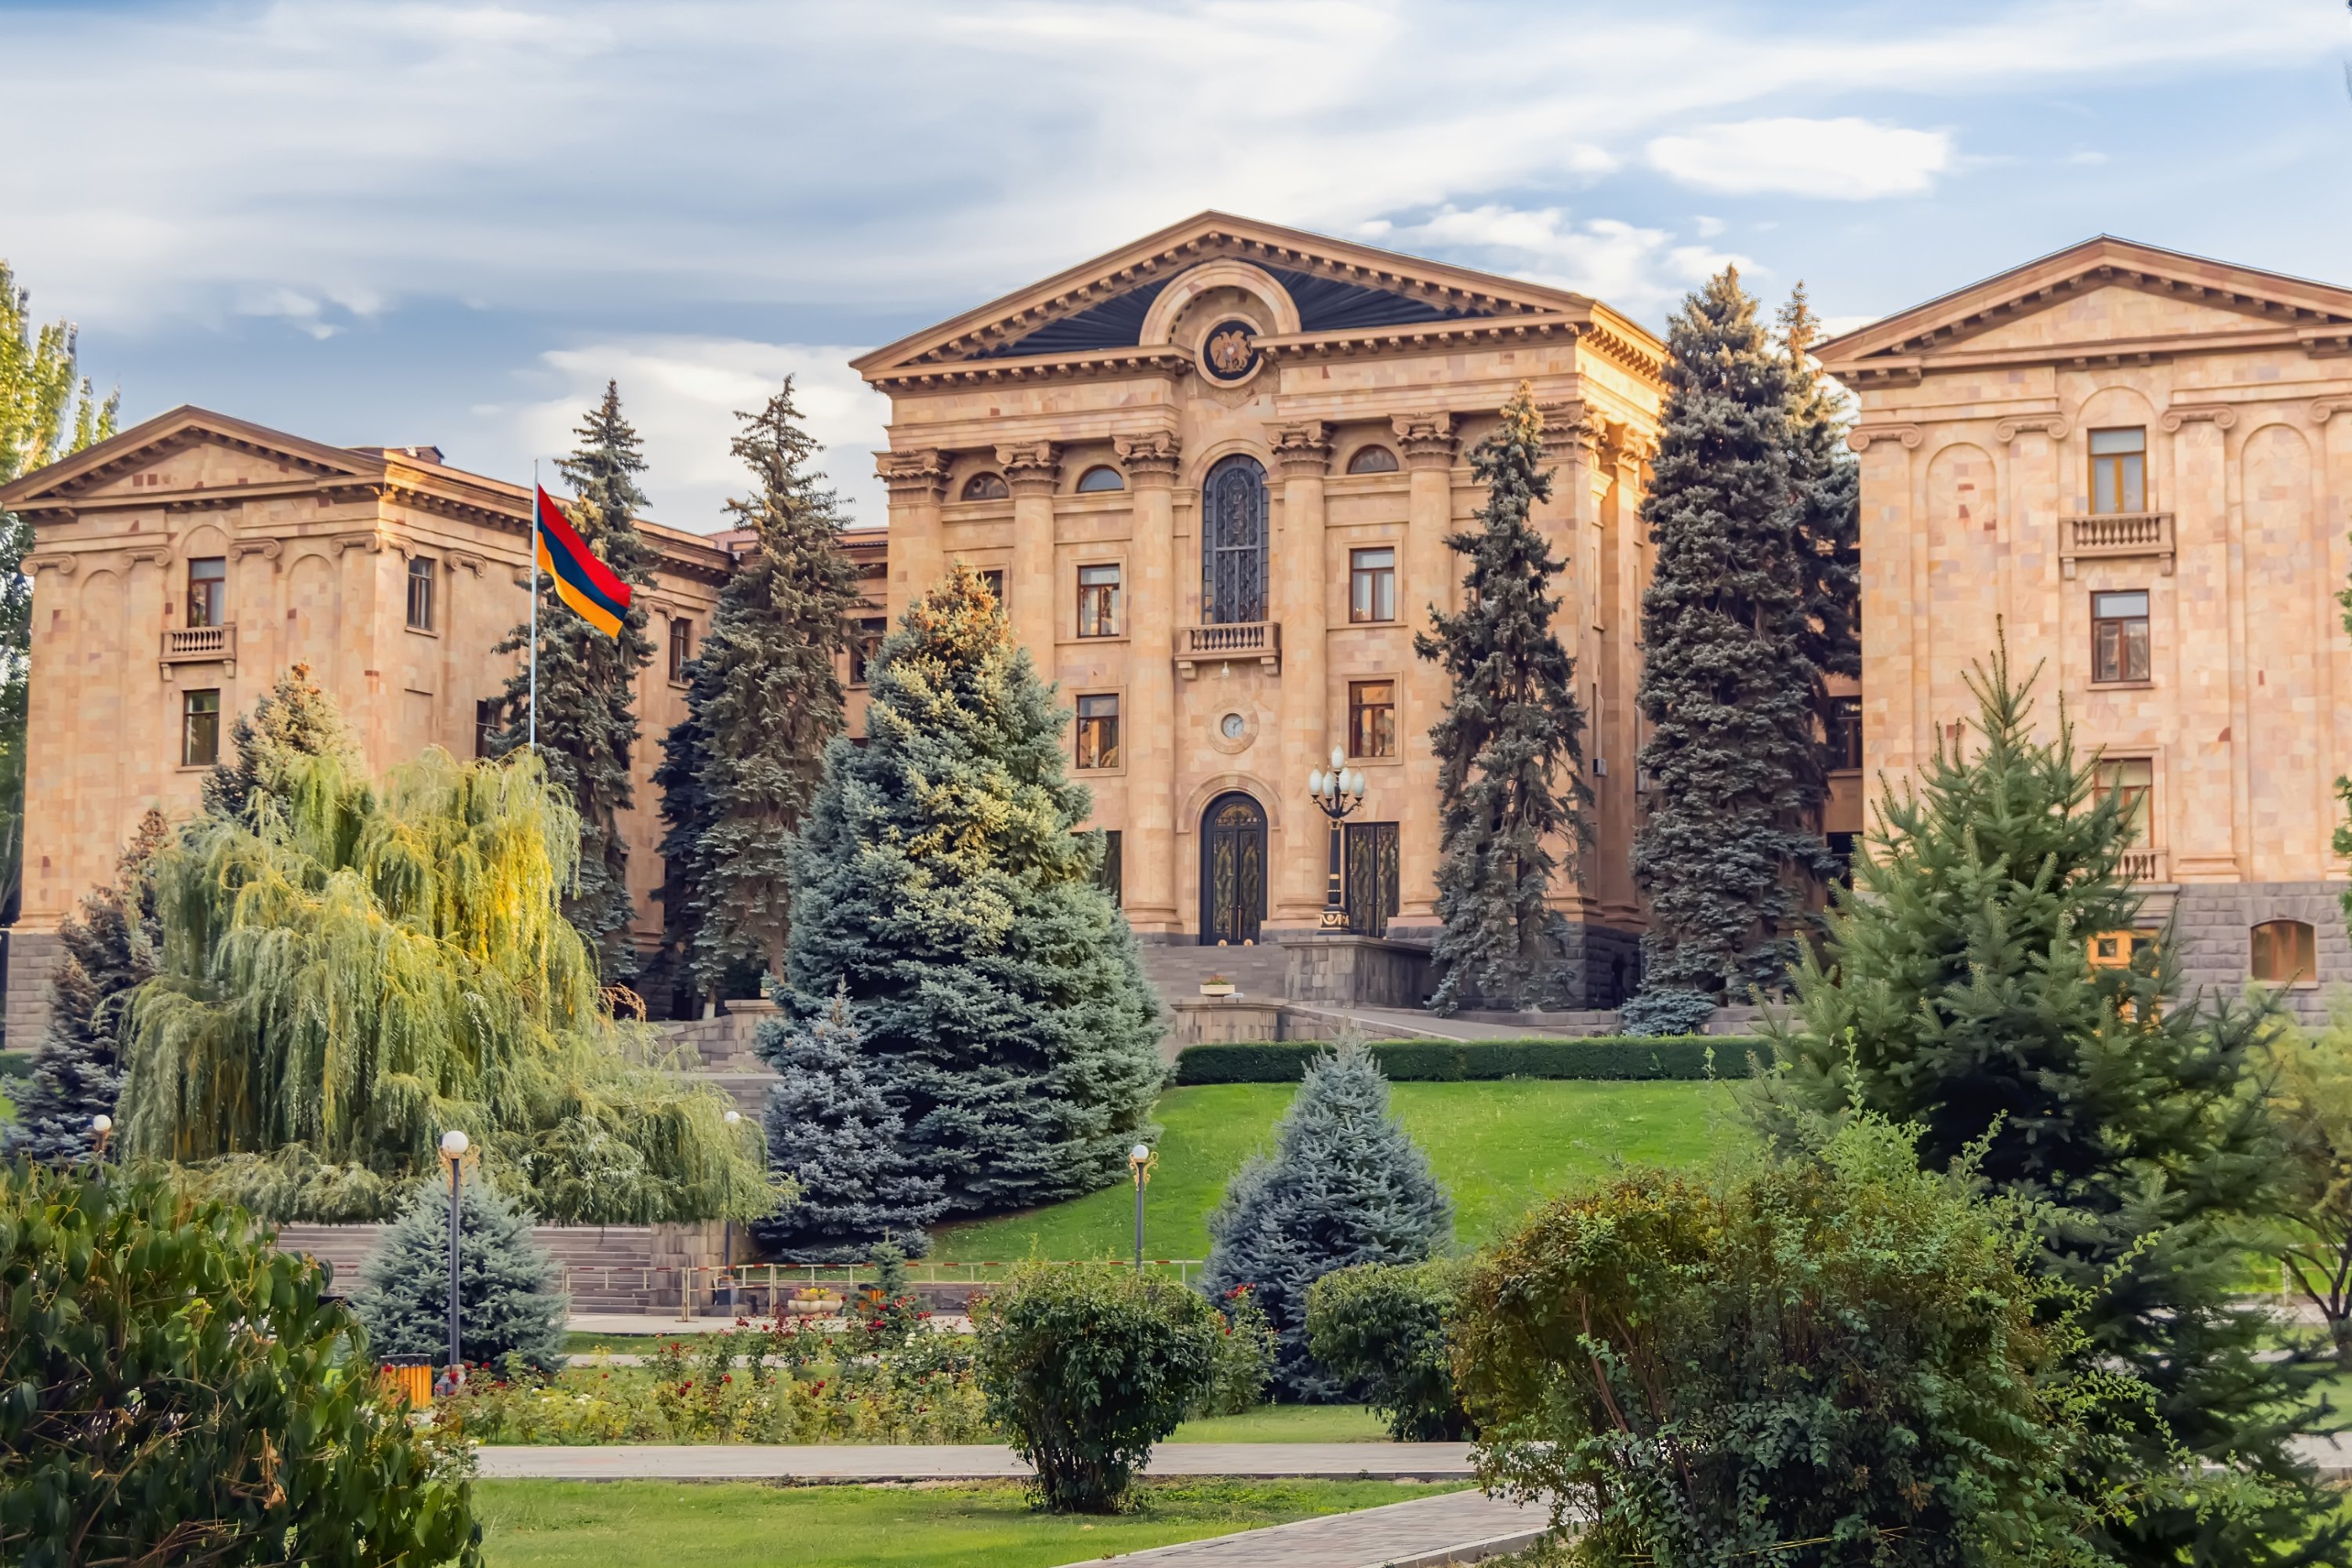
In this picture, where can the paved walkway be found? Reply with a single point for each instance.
(946, 1462)
(1461, 1527)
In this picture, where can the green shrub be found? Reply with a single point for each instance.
(1382, 1327)
(1087, 1366)
(1448, 1061)
(1246, 1351)
(15, 1064)
(179, 1391)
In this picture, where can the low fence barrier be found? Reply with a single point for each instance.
(763, 1290)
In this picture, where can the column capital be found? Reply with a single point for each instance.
(1150, 458)
(1031, 468)
(1427, 440)
(921, 475)
(1568, 427)
(1302, 450)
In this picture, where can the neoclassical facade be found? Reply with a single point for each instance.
(2137, 463)
(183, 565)
(1213, 474)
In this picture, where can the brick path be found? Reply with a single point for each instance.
(942, 1462)
(1461, 1527)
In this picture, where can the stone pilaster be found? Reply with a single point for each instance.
(1428, 582)
(1032, 471)
(1302, 454)
(917, 482)
(1149, 847)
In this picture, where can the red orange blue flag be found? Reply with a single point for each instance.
(582, 581)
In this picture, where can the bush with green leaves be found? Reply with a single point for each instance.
(1245, 1346)
(509, 1306)
(1345, 1184)
(1383, 1329)
(1087, 1366)
(179, 1391)
(2310, 1090)
(1665, 1011)
(1834, 1350)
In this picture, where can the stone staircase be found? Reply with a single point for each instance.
(606, 1269)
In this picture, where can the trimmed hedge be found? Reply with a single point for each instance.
(1465, 1061)
(15, 1064)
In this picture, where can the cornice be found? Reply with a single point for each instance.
(1093, 364)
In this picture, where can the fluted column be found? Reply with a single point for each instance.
(1302, 454)
(1150, 847)
(1032, 471)
(1431, 581)
(917, 482)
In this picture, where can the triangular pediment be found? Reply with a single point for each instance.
(2094, 298)
(185, 451)
(1337, 286)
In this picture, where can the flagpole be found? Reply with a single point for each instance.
(533, 531)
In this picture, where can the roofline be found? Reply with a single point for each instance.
(896, 351)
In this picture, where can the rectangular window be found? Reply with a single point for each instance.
(865, 647)
(2118, 470)
(200, 728)
(1098, 732)
(2286, 952)
(420, 593)
(486, 725)
(1098, 601)
(681, 649)
(207, 591)
(995, 580)
(2133, 779)
(1845, 732)
(1371, 718)
(1371, 584)
(2119, 637)
(1111, 878)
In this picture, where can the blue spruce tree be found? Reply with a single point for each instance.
(1345, 1185)
(507, 1303)
(940, 881)
(832, 1131)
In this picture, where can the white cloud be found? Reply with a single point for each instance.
(1634, 269)
(682, 394)
(1842, 160)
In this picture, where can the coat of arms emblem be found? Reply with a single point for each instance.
(1229, 350)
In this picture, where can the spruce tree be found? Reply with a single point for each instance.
(587, 683)
(1727, 684)
(1346, 1184)
(507, 1303)
(293, 719)
(834, 1134)
(1510, 729)
(763, 701)
(110, 949)
(1955, 993)
(941, 879)
(1826, 488)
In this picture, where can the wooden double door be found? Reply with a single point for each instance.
(1233, 871)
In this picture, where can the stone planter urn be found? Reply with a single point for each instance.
(813, 1306)
(1216, 987)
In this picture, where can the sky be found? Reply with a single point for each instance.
(389, 223)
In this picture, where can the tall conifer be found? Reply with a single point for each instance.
(763, 701)
(1826, 488)
(1729, 686)
(587, 683)
(1955, 993)
(938, 879)
(1509, 732)
(295, 718)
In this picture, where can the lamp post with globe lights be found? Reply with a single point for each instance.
(1338, 794)
(101, 1127)
(454, 1144)
(733, 1119)
(1139, 1160)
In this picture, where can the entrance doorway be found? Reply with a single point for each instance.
(1370, 853)
(1233, 871)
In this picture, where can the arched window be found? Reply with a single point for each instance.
(2285, 952)
(1233, 542)
(985, 487)
(1102, 476)
(1372, 460)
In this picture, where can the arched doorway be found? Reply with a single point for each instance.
(1233, 542)
(1233, 871)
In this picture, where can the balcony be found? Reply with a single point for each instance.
(2143, 863)
(200, 645)
(1238, 642)
(2122, 533)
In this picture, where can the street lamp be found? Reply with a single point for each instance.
(454, 1144)
(1139, 1160)
(727, 1230)
(1337, 793)
(103, 1126)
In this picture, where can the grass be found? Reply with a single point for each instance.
(657, 1524)
(1500, 1148)
(1287, 1424)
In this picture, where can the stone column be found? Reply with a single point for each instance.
(917, 482)
(1430, 580)
(1032, 471)
(1302, 454)
(1150, 847)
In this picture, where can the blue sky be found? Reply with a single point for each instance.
(393, 222)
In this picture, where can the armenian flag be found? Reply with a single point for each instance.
(582, 581)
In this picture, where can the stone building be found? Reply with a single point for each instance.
(1213, 473)
(183, 565)
(2134, 461)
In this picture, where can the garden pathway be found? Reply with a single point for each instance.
(946, 1462)
(1461, 1527)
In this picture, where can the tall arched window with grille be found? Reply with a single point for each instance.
(1233, 542)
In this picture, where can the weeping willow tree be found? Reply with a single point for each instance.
(349, 972)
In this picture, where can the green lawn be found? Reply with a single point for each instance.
(660, 1524)
(1289, 1423)
(1500, 1148)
